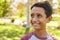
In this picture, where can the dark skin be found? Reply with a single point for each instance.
(39, 20)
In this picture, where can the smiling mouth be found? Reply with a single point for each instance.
(36, 24)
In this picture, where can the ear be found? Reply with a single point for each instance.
(49, 19)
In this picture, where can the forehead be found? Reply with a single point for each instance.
(38, 10)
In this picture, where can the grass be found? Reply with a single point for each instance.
(13, 32)
(55, 32)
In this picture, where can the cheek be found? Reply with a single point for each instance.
(42, 20)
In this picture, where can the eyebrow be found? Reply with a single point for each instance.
(32, 14)
(37, 13)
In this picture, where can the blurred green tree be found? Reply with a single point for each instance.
(4, 7)
(22, 9)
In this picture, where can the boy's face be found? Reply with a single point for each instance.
(39, 18)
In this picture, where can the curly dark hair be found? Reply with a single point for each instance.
(46, 5)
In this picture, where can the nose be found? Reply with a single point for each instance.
(34, 19)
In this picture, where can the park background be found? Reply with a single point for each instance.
(15, 18)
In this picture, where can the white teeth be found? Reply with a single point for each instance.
(36, 24)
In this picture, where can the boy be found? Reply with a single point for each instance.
(41, 14)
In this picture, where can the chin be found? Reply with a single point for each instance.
(36, 28)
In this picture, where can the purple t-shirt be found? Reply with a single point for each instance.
(32, 36)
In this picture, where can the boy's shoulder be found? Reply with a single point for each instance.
(27, 36)
(53, 37)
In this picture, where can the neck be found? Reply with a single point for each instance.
(41, 33)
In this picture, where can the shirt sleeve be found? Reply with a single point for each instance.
(54, 38)
(27, 36)
(22, 38)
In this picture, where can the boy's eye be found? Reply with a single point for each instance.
(32, 15)
(39, 15)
